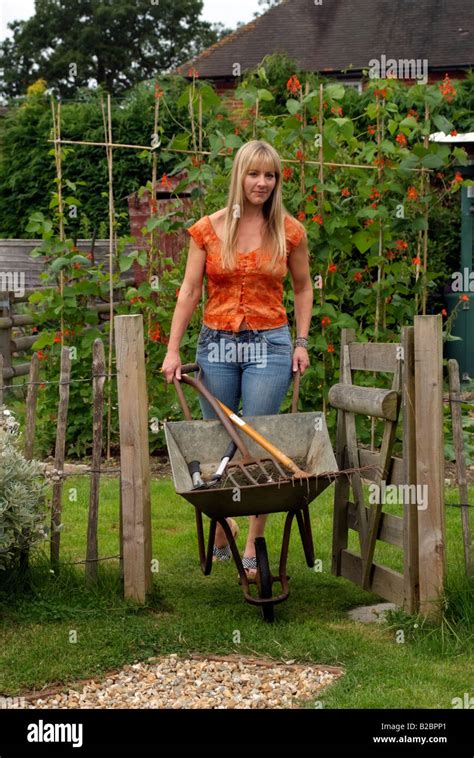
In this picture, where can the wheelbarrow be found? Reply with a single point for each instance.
(303, 437)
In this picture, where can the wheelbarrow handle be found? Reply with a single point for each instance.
(189, 368)
(296, 391)
(199, 386)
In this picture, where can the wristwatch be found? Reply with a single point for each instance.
(301, 342)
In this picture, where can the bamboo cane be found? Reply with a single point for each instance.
(425, 183)
(58, 162)
(108, 134)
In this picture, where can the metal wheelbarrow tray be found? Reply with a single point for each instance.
(303, 436)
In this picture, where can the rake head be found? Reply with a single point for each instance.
(257, 471)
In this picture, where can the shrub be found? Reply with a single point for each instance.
(22, 496)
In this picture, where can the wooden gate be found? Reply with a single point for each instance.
(416, 367)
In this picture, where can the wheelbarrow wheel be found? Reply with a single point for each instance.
(264, 577)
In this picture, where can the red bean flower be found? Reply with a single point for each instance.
(416, 261)
(401, 139)
(330, 348)
(293, 84)
(318, 219)
(345, 192)
(154, 332)
(447, 89)
(325, 321)
(332, 268)
(412, 193)
(358, 276)
(287, 172)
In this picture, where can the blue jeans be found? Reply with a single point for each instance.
(252, 365)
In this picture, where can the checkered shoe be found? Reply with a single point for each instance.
(249, 563)
(222, 553)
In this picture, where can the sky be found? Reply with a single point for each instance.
(229, 13)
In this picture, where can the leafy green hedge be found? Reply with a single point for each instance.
(370, 281)
(22, 498)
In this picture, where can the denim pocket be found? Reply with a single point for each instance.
(205, 336)
(278, 340)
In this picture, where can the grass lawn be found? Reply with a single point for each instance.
(188, 612)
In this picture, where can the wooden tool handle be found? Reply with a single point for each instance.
(266, 444)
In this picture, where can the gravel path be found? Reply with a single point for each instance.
(195, 682)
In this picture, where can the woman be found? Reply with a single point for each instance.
(244, 347)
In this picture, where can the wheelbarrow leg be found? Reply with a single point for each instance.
(205, 559)
(238, 561)
(304, 526)
(284, 552)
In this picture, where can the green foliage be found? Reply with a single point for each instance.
(114, 43)
(365, 225)
(22, 490)
(27, 168)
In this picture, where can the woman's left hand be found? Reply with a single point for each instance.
(300, 359)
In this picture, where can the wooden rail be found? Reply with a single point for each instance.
(12, 344)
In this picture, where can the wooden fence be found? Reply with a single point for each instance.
(134, 502)
(417, 389)
(15, 343)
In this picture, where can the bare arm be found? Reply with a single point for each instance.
(189, 296)
(298, 265)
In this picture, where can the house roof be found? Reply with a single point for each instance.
(342, 34)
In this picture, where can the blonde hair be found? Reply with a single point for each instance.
(250, 156)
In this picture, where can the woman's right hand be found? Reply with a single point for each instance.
(171, 365)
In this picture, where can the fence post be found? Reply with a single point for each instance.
(430, 459)
(98, 373)
(5, 334)
(56, 504)
(458, 440)
(134, 456)
(410, 512)
(31, 400)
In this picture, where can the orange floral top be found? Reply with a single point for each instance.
(244, 292)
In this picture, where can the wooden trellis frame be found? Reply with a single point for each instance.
(416, 365)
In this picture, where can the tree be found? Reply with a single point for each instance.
(266, 5)
(115, 43)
